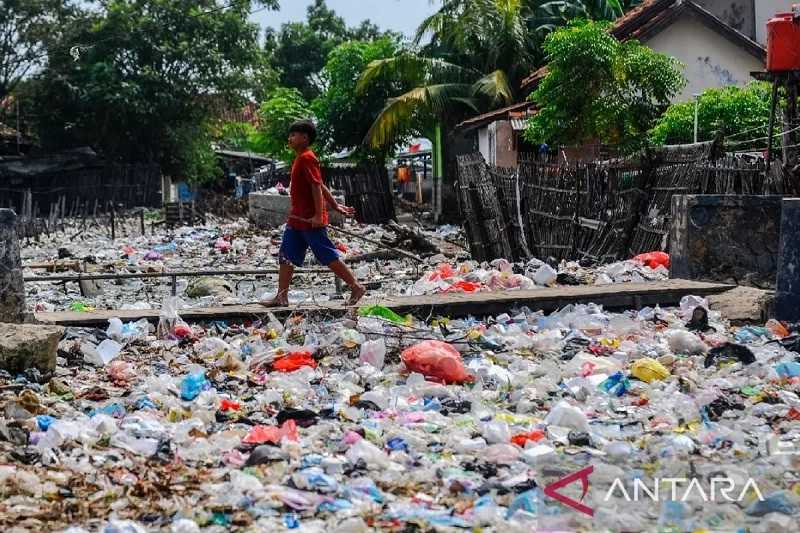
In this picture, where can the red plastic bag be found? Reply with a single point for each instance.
(443, 271)
(272, 434)
(535, 435)
(436, 360)
(463, 286)
(293, 361)
(653, 259)
(229, 405)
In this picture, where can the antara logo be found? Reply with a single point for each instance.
(717, 489)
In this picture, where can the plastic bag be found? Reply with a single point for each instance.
(192, 385)
(463, 286)
(102, 354)
(383, 312)
(262, 434)
(532, 436)
(565, 415)
(545, 276)
(648, 370)
(653, 259)
(436, 360)
(373, 353)
(170, 324)
(294, 361)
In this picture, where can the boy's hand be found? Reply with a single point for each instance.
(345, 210)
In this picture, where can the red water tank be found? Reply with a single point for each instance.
(783, 41)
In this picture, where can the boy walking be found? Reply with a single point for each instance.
(308, 219)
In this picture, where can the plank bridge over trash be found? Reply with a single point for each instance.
(600, 211)
(620, 296)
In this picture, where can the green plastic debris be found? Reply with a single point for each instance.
(383, 312)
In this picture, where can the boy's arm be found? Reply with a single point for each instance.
(316, 192)
(336, 206)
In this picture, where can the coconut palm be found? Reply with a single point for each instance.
(478, 51)
(469, 57)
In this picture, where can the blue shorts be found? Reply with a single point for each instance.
(296, 242)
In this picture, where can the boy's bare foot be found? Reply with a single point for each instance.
(356, 293)
(280, 300)
(275, 302)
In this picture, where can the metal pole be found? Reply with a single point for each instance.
(771, 128)
(19, 134)
(696, 115)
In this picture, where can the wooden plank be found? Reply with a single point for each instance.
(620, 296)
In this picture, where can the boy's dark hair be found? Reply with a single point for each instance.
(305, 126)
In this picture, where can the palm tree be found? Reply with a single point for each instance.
(477, 53)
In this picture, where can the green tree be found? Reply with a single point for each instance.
(26, 26)
(729, 110)
(282, 107)
(345, 115)
(146, 69)
(239, 136)
(300, 50)
(599, 89)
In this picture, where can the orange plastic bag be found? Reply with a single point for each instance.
(535, 435)
(436, 360)
(653, 259)
(293, 361)
(272, 434)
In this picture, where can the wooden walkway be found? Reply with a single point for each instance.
(621, 296)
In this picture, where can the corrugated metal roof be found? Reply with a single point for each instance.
(518, 124)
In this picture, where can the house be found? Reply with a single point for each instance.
(720, 42)
(715, 54)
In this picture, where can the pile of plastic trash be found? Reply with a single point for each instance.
(661, 419)
(501, 275)
(227, 247)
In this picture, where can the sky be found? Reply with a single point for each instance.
(398, 15)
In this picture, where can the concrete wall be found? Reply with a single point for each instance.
(496, 144)
(506, 154)
(731, 239)
(765, 10)
(483, 143)
(710, 59)
(738, 14)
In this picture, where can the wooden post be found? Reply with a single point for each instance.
(141, 220)
(113, 223)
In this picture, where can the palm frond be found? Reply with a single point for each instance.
(413, 70)
(495, 87)
(398, 113)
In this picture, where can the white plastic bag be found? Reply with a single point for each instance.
(373, 353)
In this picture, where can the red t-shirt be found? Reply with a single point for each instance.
(305, 172)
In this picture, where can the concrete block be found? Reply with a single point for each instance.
(25, 346)
(726, 238)
(787, 297)
(271, 210)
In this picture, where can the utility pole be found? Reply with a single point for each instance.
(19, 134)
